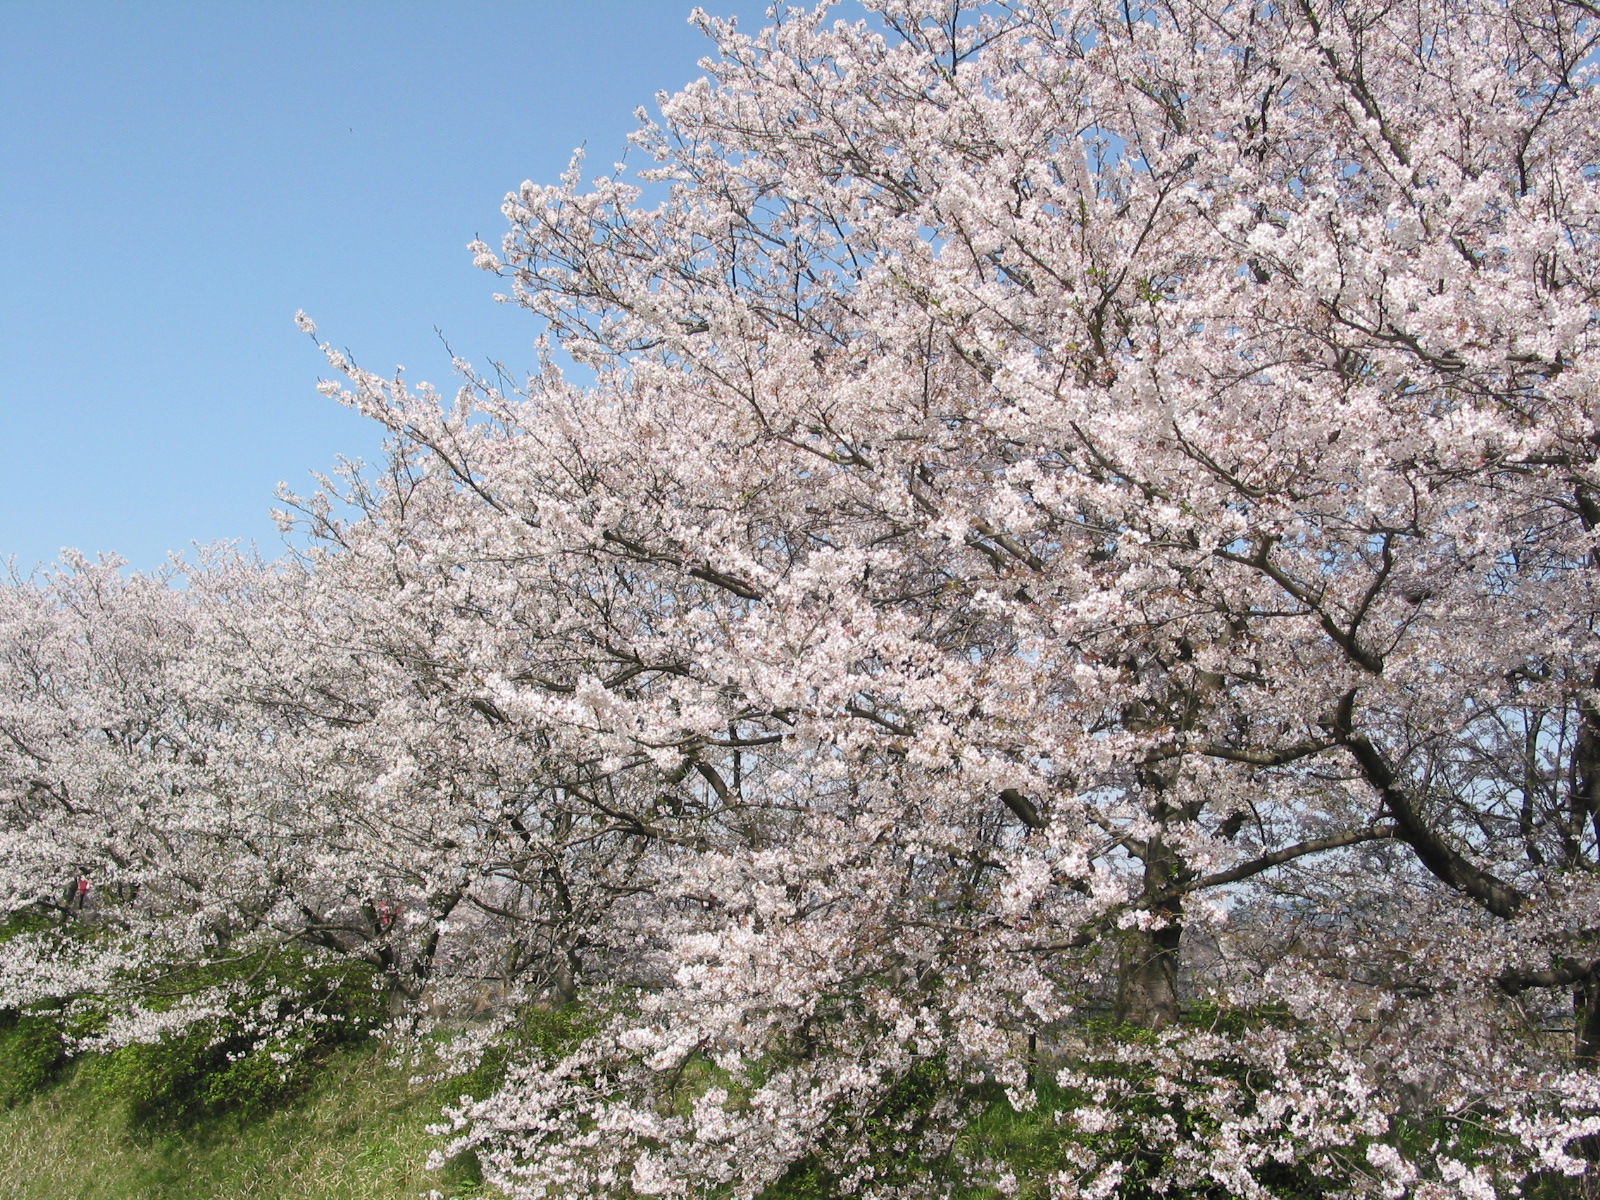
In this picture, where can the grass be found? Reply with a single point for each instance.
(359, 1133)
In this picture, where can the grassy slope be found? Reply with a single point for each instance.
(359, 1134)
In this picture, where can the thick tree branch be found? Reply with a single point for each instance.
(1446, 863)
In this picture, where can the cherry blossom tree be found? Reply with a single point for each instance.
(1169, 427)
(1073, 573)
(208, 785)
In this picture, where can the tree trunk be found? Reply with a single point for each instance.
(564, 980)
(1586, 1053)
(1147, 982)
(1147, 987)
(1586, 1023)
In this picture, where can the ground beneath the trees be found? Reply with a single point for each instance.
(359, 1134)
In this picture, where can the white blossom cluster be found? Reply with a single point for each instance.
(1086, 516)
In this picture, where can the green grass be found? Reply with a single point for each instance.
(358, 1133)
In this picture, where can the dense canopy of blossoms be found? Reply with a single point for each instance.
(1084, 515)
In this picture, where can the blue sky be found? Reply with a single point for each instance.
(179, 178)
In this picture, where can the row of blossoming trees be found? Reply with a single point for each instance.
(1083, 515)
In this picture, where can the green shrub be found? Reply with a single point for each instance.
(31, 1055)
(961, 1141)
(537, 1032)
(265, 1051)
(908, 1136)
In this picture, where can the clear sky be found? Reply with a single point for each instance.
(176, 179)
